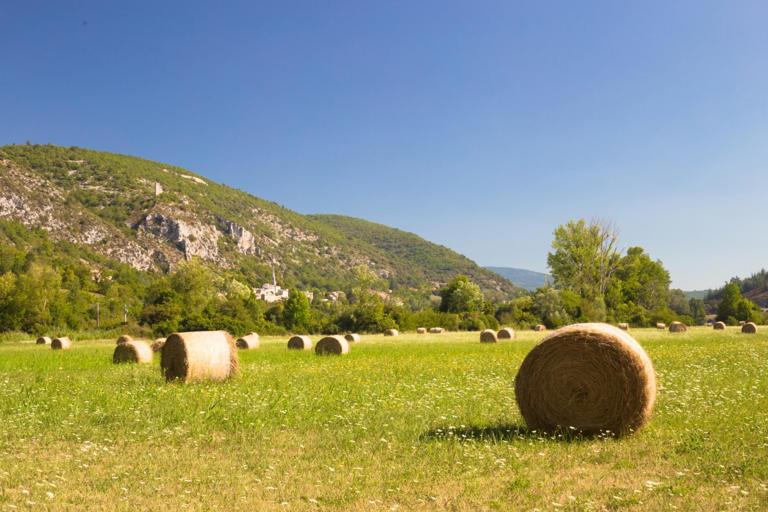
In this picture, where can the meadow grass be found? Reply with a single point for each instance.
(416, 422)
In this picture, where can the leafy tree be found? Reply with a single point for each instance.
(727, 310)
(549, 308)
(698, 311)
(296, 315)
(678, 302)
(461, 296)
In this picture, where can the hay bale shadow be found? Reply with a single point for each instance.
(504, 433)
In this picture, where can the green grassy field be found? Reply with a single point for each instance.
(410, 423)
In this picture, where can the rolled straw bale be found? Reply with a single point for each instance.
(506, 333)
(157, 345)
(200, 355)
(124, 338)
(352, 338)
(588, 378)
(488, 336)
(391, 332)
(62, 343)
(133, 352)
(335, 345)
(661, 325)
(248, 342)
(677, 327)
(624, 326)
(719, 326)
(540, 328)
(300, 343)
(749, 328)
(437, 330)
(43, 340)
(421, 330)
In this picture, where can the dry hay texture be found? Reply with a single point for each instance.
(661, 325)
(677, 327)
(437, 330)
(133, 352)
(200, 355)
(352, 338)
(506, 333)
(421, 330)
(124, 339)
(300, 343)
(588, 379)
(749, 328)
(719, 326)
(540, 327)
(62, 343)
(391, 332)
(335, 345)
(43, 340)
(488, 336)
(157, 345)
(248, 342)
(624, 326)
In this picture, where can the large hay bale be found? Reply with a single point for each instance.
(124, 338)
(587, 378)
(335, 345)
(352, 338)
(391, 332)
(506, 333)
(300, 343)
(661, 325)
(43, 340)
(624, 326)
(749, 328)
(540, 328)
(133, 352)
(248, 342)
(677, 327)
(436, 330)
(200, 355)
(62, 343)
(157, 345)
(421, 330)
(488, 336)
(719, 326)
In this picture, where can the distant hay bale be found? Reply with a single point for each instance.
(43, 340)
(661, 325)
(124, 338)
(352, 338)
(300, 343)
(421, 330)
(506, 333)
(391, 332)
(157, 345)
(624, 326)
(133, 352)
(248, 342)
(436, 330)
(677, 327)
(488, 336)
(62, 343)
(540, 328)
(335, 345)
(749, 328)
(719, 326)
(200, 355)
(587, 378)
(742, 322)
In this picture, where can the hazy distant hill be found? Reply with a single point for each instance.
(754, 287)
(152, 216)
(696, 294)
(527, 279)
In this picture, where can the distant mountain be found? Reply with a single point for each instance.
(696, 294)
(754, 287)
(527, 279)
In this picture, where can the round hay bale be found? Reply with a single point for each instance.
(506, 333)
(540, 328)
(421, 330)
(391, 332)
(248, 342)
(587, 378)
(749, 328)
(300, 343)
(677, 327)
(335, 345)
(62, 343)
(43, 340)
(124, 338)
(624, 326)
(661, 325)
(352, 338)
(719, 326)
(436, 330)
(157, 345)
(133, 352)
(488, 336)
(199, 355)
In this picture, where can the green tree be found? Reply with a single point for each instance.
(296, 315)
(548, 307)
(678, 302)
(698, 311)
(461, 296)
(727, 310)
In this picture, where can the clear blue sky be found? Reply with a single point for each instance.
(477, 125)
